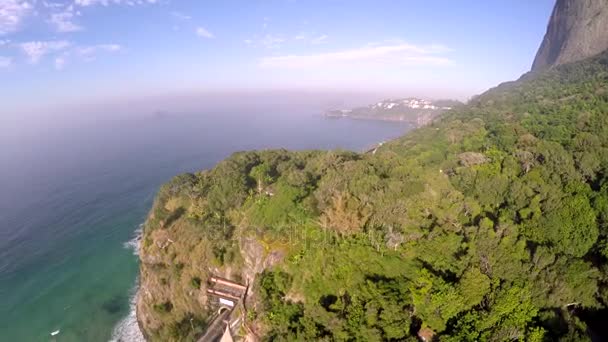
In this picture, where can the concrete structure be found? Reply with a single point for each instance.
(231, 296)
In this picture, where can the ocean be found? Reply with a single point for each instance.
(73, 197)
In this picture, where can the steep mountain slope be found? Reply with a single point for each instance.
(490, 224)
(577, 29)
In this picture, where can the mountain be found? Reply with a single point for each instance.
(488, 224)
(577, 29)
(418, 112)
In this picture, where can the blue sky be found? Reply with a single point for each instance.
(80, 51)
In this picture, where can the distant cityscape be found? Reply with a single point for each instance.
(416, 111)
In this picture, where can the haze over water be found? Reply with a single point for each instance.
(74, 193)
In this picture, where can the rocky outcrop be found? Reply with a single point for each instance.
(577, 29)
(468, 159)
(257, 256)
(178, 258)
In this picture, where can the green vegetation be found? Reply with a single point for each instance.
(196, 282)
(163, 308)
(489, 225)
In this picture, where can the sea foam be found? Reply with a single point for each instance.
(135, 242)
(127, 330)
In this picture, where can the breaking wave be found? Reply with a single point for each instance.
(135, 242)
(127, 330)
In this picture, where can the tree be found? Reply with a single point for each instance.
(262, 175)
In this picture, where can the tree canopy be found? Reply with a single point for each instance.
(490, 224)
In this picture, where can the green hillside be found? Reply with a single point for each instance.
(489, 225)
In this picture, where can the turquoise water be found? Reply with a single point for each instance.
(74, 194)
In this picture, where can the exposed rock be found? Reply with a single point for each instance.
(526, 159)
(257, 257)
(253, 253)
(577, 29)
(426, 334)
(472, 158)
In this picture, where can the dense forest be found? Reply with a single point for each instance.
(490, 224)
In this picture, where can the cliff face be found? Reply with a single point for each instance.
(183, 245)
(577, 29)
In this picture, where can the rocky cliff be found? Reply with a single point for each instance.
(190, 236)
(577, 29)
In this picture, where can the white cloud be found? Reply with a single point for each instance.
(89, 52)
(272, 41)
(59, 63)
(202, 32)
(5, 62)
(319, 40)
(89, 2)
(63, 50)
(12, 13)
(63, 21)
(36, 50)
(275, 41)
(180, 15)
(4, 42)
(47, 4)
(85, 3)
(269, 41)
(61, 14)
(398, 54)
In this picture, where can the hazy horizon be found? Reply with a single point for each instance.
(187, 102)
(187, 170)
(63, 54)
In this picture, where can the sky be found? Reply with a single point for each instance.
(73, 52)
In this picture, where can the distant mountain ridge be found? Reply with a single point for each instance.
(419, 112)
(577, 29)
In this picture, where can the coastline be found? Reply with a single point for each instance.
(129, 329)
(413, 122)
(370, 118)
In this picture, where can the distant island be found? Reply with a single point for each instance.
(416, 111)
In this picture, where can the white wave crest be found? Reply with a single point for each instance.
(135, 242)
(127, 330)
